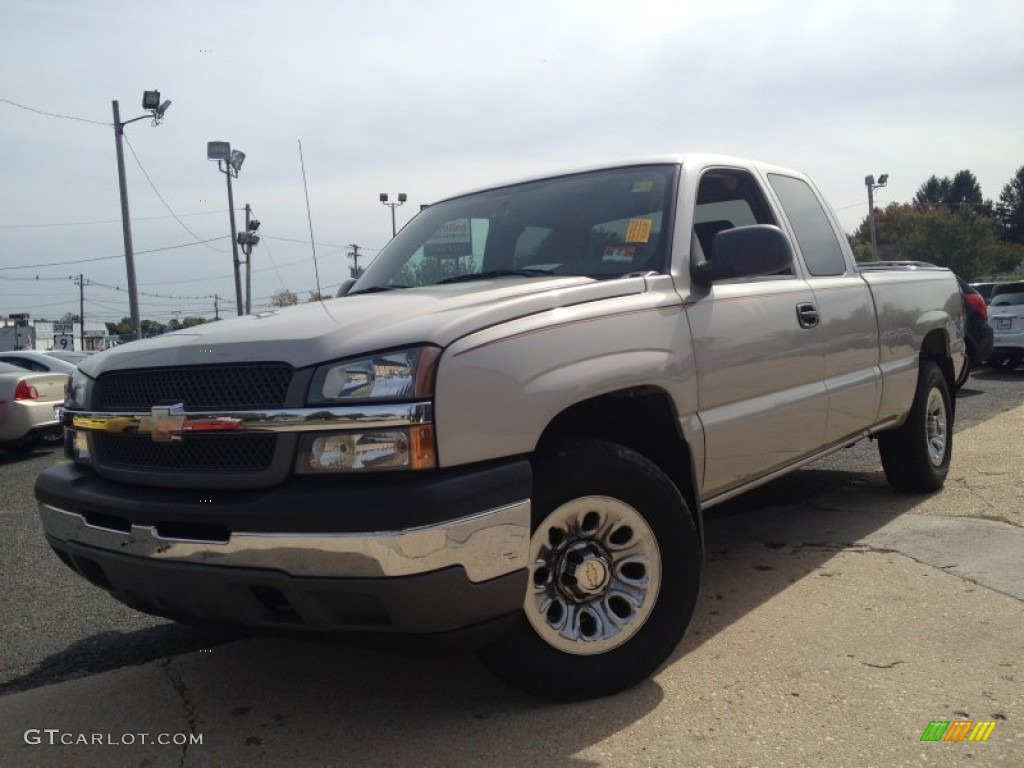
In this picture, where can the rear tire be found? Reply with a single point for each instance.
(614, 573)
(916, 455)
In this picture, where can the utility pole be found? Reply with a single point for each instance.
(126, 227)
(354, 270)
(151, 102)
(81, 312)
(872, 185)
(229, 162)
(234, 245)
(216, 307)
(248, 264)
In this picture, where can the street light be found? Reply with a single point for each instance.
(402, 197)
(150, 101)
(229, 162)
(872, 185)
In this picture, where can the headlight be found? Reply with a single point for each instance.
(400, 375)
(78, 390)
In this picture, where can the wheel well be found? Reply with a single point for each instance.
(936, 348)
(643, 419)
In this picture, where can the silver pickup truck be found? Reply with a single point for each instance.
(510, 425)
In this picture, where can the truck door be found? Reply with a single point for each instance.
(848, 323)
(758, 349)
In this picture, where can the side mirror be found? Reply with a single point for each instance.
(758, 249)
(346, 286)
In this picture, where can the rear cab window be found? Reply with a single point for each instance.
(815, 235)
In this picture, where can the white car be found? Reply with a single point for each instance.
(1006, 316)
(40, 362)
(28, 408)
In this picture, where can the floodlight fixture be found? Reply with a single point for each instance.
(254, 224)
(151, 100)
(218, 150)
(237, 158)
(163, 108)
(883, 179)
(402, 197)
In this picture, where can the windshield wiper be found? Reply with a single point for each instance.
(376, 289)
(496, 273)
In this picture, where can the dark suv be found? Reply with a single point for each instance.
(977, 331)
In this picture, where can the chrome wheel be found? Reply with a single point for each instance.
(594, 576)
(935, 427)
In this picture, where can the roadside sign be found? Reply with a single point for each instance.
(65, 342)
(63, 328)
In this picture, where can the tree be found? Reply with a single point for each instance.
(316, 296)
(961, 194)
(1010, 209)
(933, 192)
(966, 244)
(284, 298)
(152, 328)
(122, 328)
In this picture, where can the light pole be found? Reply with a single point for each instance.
(872, 185)
(402, 197)
(229, 162)
(150, 101)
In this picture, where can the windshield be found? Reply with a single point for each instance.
(602, 225)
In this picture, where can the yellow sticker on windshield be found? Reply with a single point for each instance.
(639, 231)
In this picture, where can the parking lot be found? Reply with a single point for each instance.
(836, 620)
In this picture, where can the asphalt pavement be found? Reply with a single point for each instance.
(837, 620)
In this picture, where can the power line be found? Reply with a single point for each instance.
(105, 258)
(52, 114)
(305, 242)
(168, 207)
(107, 221)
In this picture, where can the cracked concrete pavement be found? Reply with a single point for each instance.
(836, 620)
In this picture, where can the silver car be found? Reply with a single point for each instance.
(28, 408)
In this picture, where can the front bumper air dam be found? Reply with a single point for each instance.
(420, 577)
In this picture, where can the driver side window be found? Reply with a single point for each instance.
(728, 198)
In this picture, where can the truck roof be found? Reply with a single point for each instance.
(697, 159)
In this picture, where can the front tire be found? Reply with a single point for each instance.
(916, 456)
(614, 573)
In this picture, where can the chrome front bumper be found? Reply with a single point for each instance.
(487, 545)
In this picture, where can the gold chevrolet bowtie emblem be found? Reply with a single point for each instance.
(165, 423)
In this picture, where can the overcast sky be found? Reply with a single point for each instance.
(431, 98)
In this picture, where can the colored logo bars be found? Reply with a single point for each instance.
(958, 730)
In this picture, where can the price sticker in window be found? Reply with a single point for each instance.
(638, 231)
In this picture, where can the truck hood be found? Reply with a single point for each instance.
(313, 333)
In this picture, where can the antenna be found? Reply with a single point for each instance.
(309, 216)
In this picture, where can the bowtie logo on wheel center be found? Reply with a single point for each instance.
(591, 576)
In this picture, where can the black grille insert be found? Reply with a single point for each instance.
(236, 387)
(195, 453)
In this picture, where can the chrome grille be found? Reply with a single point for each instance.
(238, 387)
(195, 453)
